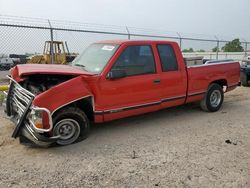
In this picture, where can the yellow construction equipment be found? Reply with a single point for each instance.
(54, 52)
(4, 87)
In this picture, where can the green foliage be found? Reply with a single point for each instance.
(215, 49)
(188, 50)
(233, 46)
(201, 50)
(1, 97)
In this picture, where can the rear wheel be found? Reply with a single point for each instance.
(213, 98)
(71, 124)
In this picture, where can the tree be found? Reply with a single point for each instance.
(233, 46)
(201, 50)
(188, 50)
(215, 49)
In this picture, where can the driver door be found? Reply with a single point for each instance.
(139, 92)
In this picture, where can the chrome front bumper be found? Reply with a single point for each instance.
(18, 107)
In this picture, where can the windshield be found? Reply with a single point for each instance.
(95, 57)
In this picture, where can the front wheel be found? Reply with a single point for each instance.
(71, 124)
(213, 98)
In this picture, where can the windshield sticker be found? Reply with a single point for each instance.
(97, 69)
(108, 48)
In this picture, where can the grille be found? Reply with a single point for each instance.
(19, 99)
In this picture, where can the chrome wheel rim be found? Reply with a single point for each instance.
(68, 130)
(215, 98)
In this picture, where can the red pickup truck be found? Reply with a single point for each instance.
(108, 81)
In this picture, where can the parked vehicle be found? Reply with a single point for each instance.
(6, 63)
(245, 73)
(19, 58)
(110, 80)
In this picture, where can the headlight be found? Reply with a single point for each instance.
(37, 119)
(40, 119)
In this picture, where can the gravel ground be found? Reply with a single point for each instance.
(177, 147)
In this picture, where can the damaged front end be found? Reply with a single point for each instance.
(29, 119)
(36, 93)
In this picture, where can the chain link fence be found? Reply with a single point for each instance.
(22, 37)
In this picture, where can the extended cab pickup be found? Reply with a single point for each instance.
(108, 81)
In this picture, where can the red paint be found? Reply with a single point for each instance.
(21, 71)
(132, 91)
(60, 95)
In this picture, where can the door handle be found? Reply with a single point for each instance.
(158, 81)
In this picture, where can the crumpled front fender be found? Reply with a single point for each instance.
(63, 94)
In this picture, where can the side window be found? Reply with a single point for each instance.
(136, 60)
(168, 58)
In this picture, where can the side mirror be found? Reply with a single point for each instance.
(116, 74)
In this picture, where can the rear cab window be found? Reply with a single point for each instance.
(167, 57)
(136, 60)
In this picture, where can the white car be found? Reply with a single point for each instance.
(6, 63)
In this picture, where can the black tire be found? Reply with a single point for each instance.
(72, 124)
(244, 79)
(213, 99)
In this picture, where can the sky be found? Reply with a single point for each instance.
(223, 18)
(210, 19)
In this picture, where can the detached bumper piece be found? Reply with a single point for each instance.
(28, 136)
(18, 107)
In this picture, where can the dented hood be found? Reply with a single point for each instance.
(20, 71)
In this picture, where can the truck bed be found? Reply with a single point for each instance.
(200, 76)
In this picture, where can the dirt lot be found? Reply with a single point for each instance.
(177, 147)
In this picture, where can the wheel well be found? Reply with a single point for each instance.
(85, 105)
(221, 82)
